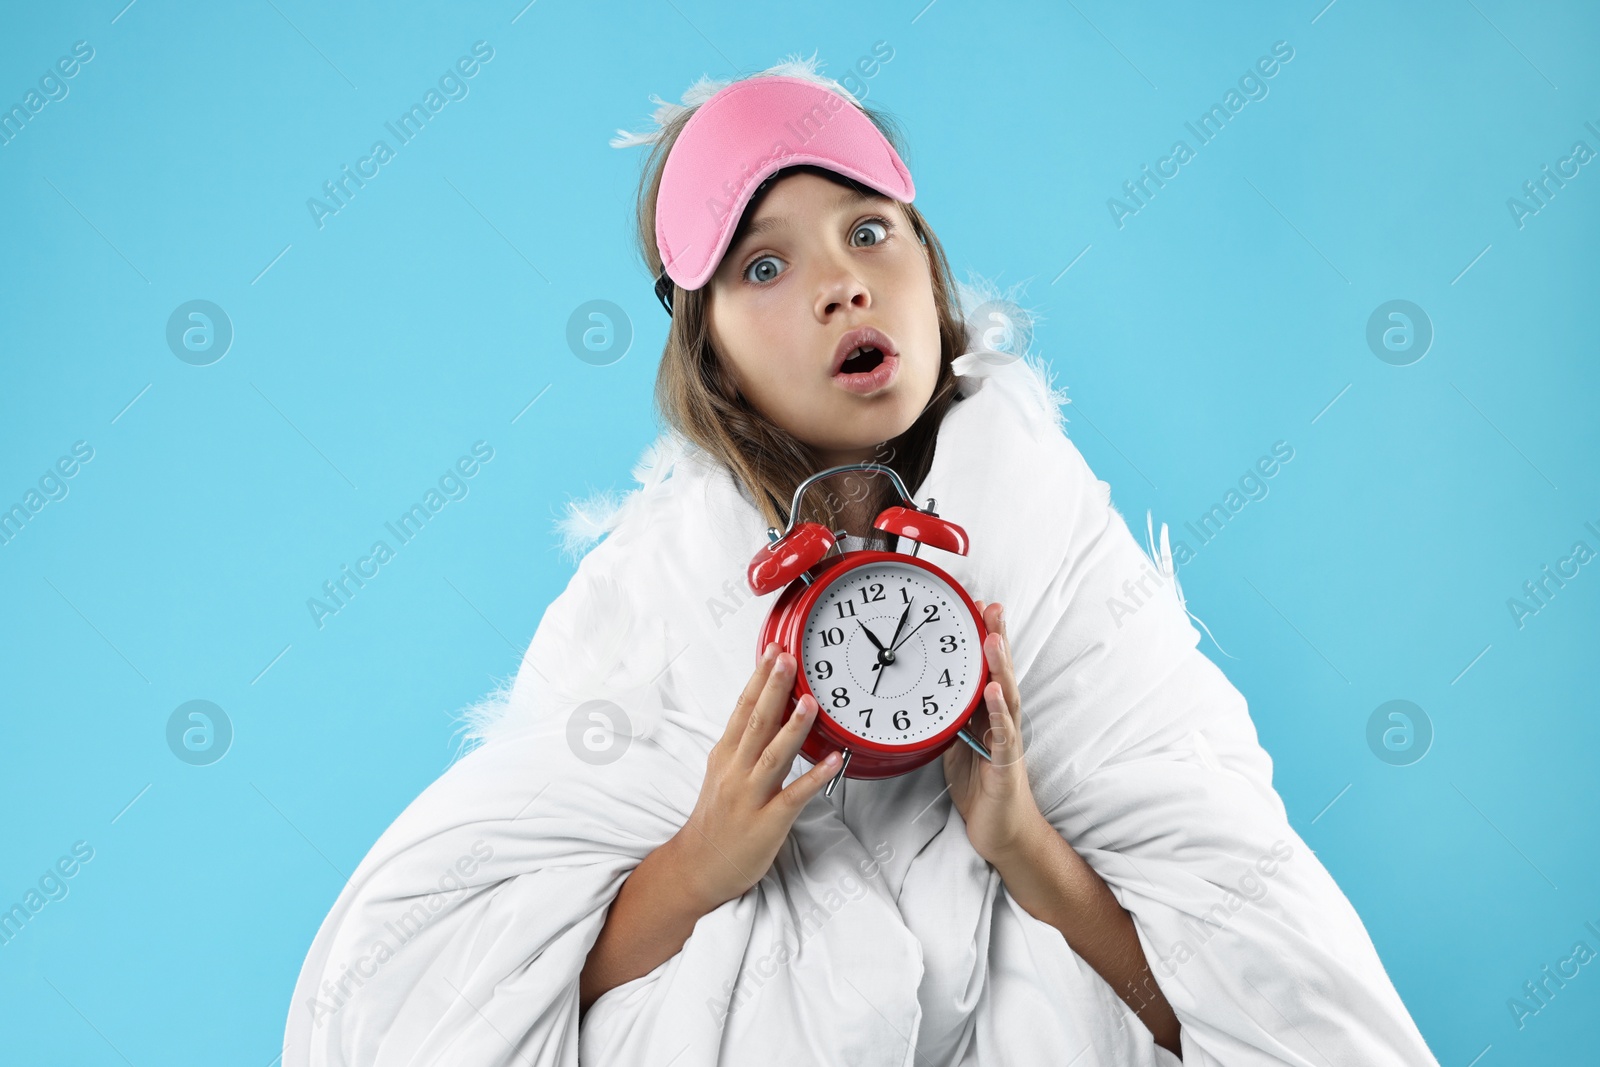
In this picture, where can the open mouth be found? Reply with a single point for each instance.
(862, 361)
(867, 361)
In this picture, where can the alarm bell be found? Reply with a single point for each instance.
(801, 546)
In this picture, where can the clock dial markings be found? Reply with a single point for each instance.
(932, 667)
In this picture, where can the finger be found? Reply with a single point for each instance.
(808, 785)
(1001, 737)
(766, 715)
(994, 653)
(1005, 678)
(747, 699)
(776, 759)
(1007, 674)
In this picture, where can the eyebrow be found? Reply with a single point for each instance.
(778, 222)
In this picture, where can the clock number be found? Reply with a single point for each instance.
(866, 593)
(944, 679)
(905, 598)
(931, 611)
(841, 697)
(833, 635)
(928, 706)
(825, 670)
(868, 713)
(901, 721)
(943, 638)
(841, 605)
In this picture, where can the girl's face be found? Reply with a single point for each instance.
(819, 261)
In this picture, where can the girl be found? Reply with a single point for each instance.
(633, 864)
(756, 372)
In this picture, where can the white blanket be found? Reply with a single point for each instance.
(879, 936)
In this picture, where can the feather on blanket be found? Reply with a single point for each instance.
(878, 936)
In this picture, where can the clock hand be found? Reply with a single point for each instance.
(882, 652)
(901, 625)
(914, 629)
(894, 642)
(872, 637)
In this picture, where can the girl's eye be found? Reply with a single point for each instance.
(766, 276)
(866, 225)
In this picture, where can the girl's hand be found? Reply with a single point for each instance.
(742, 815)
(994, 796)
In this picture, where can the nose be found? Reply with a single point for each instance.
(841, 288)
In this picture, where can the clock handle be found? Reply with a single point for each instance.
(774, 534)
(845, 762)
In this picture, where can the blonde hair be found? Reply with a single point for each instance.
(696, 394)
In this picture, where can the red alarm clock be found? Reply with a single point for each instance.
(889, 645)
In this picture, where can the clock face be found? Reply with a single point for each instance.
(936, 662)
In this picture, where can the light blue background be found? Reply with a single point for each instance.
(428, 313)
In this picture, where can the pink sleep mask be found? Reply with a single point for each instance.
(736, 140)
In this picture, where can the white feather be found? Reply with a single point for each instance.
(1162, 560)
(587, 520)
